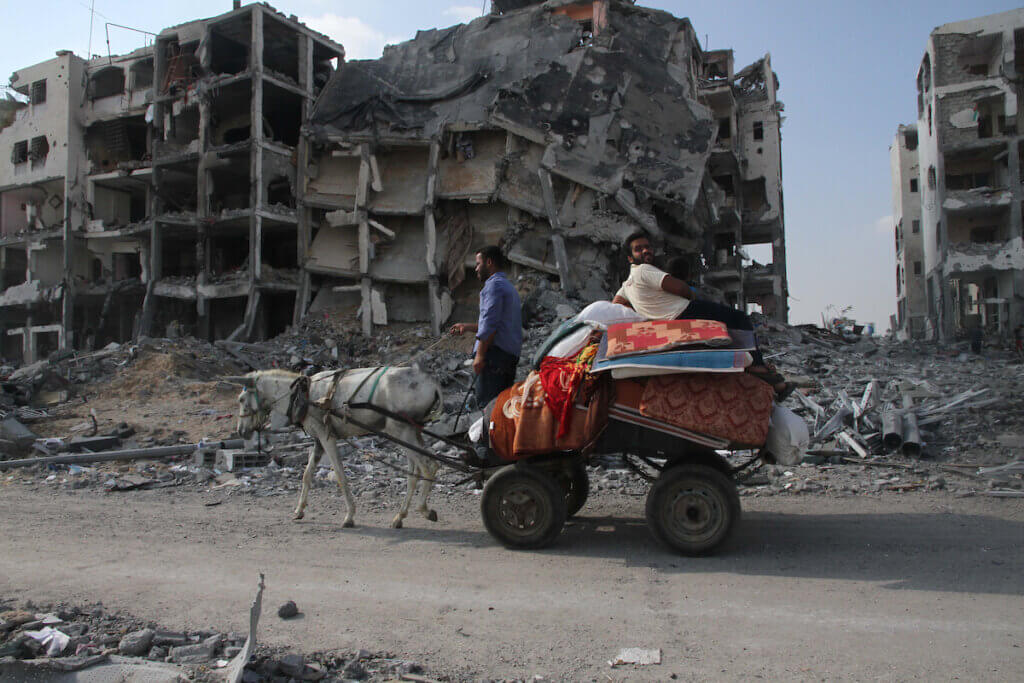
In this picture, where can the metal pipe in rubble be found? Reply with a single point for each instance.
(128, 454)
(892, 429)
(911, 433)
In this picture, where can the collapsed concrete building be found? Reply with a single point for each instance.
(139, 196)
(554, 129)
(969, 89)
(911, 304)
(141, 199)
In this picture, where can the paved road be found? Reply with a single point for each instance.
(895, 587)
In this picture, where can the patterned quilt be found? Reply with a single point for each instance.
(650, 336)
(522, 424)
(734, 407)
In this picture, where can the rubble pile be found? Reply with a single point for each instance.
(965, 411)
(63, 638)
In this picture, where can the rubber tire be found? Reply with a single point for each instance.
(712, 497)
(575, 484)
(542, 494)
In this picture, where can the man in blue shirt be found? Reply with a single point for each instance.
(499, 331)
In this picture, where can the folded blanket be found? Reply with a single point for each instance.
(651, 336)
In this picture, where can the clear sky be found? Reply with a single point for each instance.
(846, 73)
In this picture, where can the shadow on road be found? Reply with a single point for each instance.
(902, 551)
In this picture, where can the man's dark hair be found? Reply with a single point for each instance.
(493, 253)
(627, 244)
(679, 268)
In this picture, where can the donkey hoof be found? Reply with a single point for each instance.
(432, 515)
(348, 524)
(397, 524)
(298, 515)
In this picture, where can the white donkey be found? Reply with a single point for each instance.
(267, 396)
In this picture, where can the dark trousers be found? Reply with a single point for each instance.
(499, 374)
(733, 319)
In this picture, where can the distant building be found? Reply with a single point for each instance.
(911, 304)
(970, 153)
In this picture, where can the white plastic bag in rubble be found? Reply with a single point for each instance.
(788, 436)
(476, 430)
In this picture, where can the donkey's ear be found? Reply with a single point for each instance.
(241, 380)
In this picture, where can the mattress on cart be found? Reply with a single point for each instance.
(670, 362)
(714, 410)
(522, 424)
(653, 336)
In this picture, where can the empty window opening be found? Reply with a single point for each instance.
(126, 266)
(276, 313)
(913, 184)
(38, 150)
(19, 152)
(931, 177)
(177, 191)
(280, 249)
(280, 49)
(282, 115)
(230, 188)
(229, 254)
(110, 143)
(724, 128)
(758, 130)
(226, 315)
(15, 266)
(325, 61)
(917, 267)
(37, 93)
(178, 256)
(980, 56)
(106, 82)
(141, 74)
(985, 234)
(910, 140)
(231, 115)
(229, 50)
(181, 133)
(915, 226)
(967, 180)
(279, 191)
(755, 196)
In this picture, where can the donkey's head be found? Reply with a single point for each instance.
(253, 411)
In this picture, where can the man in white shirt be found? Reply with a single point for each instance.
(657, 295)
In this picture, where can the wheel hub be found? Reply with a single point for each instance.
(694, 512)
(520, 509)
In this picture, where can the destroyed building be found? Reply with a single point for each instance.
(140, 199)
(555, 129)
(911, 305)
(138, 195)
(970, 153)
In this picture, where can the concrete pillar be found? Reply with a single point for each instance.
(257, 189)
(304, 231)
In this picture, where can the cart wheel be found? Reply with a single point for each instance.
(692, 508)
(523, 507)
(575, 484)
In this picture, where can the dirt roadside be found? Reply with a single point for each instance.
(891, 586)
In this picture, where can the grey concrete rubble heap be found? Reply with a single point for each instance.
(127, 648)
(962, 177)
(230, 180)
(885, 415)
(555, 129)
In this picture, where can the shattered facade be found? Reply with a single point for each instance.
(555, 129)
(139, 197)
(911, 305)
(970, 155)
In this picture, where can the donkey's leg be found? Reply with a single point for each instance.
(307, 478)
(427, 469)
(331, 448)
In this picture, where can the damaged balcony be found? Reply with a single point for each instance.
(971, 257)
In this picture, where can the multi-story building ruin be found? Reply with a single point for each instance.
(970, 152)
(555, 129)
(139, 196)
(911, 305)
(142, 199)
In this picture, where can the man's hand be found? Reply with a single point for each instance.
(462, 328)
(478, 364)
